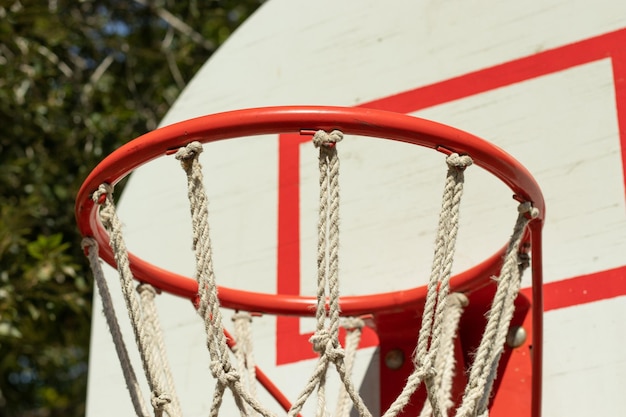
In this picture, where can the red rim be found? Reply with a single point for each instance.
(294, 119)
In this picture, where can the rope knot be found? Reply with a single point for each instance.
(243, 316)
(459, 161)
(320, 340)
(459, 299)
(325, 346)
(321, 138)
(352, 323)
(159, 401)
(334, 354)
(527, 207)
(87, 243)
(222, 376)
(424, 363)
(426, 369)
(100, 194)
(188, 153)
(425, 373)
(103, 196)
(149, 290)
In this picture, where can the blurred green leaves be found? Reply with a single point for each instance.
(77, 80)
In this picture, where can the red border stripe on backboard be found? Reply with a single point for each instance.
(583, 289)
(502, 75)
(607, 46)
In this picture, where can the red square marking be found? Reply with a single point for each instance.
(291, 344)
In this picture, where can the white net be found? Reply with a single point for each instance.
(433, 359)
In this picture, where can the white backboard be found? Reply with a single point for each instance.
(543, 79)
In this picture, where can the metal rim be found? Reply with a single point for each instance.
(298, 119)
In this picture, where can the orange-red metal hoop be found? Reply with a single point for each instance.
(304, 120)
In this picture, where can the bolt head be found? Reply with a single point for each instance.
(516, 337)
(394, 359)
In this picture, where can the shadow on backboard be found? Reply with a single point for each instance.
(370, 386)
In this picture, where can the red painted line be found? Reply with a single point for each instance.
(619, 80)
(290, 342)
(289, 215)
(291, 345)
(584, 289)
(502, 75)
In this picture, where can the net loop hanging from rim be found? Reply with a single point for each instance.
(433, 318)
(156, 367)
(325, 341)
(223, 371)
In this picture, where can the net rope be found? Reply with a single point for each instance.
(146, 339)
(354, 331)
(244, 352)
(429, 338)
(147, 294)
(483, 370)
(433, 358)
(325, 340)
(91, 248)
(222, 369)
(444, 361)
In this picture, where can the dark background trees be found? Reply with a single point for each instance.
(77, 79)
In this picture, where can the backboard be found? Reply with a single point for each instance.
(544, 80)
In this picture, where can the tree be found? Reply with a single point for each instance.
(77, 79)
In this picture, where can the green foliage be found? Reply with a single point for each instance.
(77, 79)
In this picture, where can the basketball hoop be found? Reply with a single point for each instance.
(387, 309)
